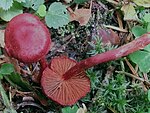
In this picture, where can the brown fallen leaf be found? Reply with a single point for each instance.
(81, 15)
(82, 109)
(2, 59)
(2, 44)
(109, 36)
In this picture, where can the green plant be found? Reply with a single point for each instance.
(80, 1)
(5, 70)
(72, 109)
(149, 95)
(13, 10)
(6, 4)
(57, 15)
(142, 57)
(118, 96)
(98, 46)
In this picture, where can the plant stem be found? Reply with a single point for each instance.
(124, 50)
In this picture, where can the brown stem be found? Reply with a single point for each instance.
(124, 50)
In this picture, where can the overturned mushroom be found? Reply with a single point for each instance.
(65, 81)
(65, 92)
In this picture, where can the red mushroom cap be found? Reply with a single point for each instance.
(27, 38)
(64, 92)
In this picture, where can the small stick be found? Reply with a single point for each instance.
(133, 76)
(131, 67)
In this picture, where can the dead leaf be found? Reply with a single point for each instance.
(144, 3)
(82, 109)
(30, 103)
(81, 15)
(2, 44)
(129, 12)
(3, 59)
(109, 36)
(115, 28)
(67, 1)
(112, 1)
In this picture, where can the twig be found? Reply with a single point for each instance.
(133, 76)
(115, 28)
(112, 1)
(131, 67)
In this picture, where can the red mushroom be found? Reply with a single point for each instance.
(65, 81)
(27, 39)
(65, 92)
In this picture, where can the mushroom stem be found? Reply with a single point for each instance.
(43, 64)
(124, 50)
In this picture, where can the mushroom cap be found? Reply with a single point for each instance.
(64, 92)
(27, 38)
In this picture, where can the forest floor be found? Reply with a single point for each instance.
(118, 86)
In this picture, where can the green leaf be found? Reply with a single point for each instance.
(27, 3)
(138, 31)
(57, 15)
(147, 48)
(149, 94)
(6, 4)
(4, 96)
(16, 80)
(34, 4)
(1, 76)
(142, 58)
(42, 10)
(147, 17)
(70, 109)
(80, 1)
(12, 12)
(148, 110)
(9, 108)
(6, 69)
(148, 27)
(1, 51)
